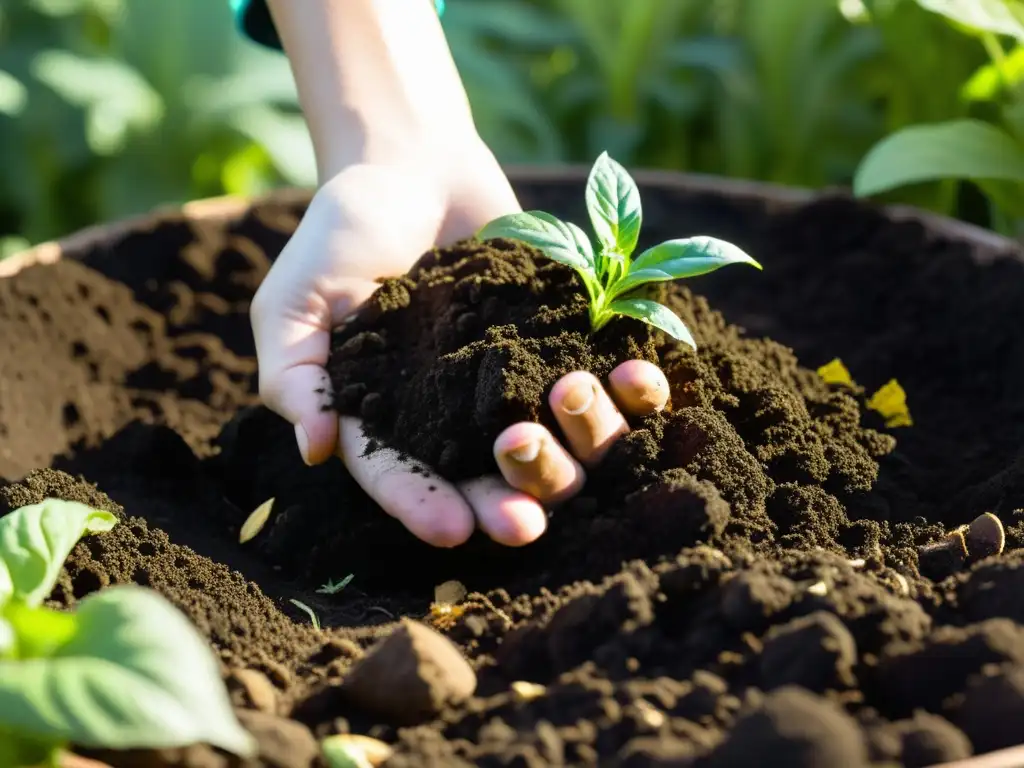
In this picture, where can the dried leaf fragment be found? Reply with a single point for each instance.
(891, 401)
(835, 372)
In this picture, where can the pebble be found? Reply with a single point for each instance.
(256, 690)
(410, 676)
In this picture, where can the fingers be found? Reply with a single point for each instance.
(533, 462)
(508, 516)
(639, 387)
(431, 508)
(291, 324)
(588, 417)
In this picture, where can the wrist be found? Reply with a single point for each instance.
(375, 77)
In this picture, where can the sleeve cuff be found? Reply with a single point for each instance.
(253, 18)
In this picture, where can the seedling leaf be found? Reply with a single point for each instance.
(1000, 17)
(677, 259)
(333, 587)
(314, 619)
(958, 149)
(559, 241)
(613, 202)
(36, 539)
(135, 674)
(658, 315)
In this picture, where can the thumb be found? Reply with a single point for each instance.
(291, 324)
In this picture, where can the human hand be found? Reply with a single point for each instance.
(375, 220)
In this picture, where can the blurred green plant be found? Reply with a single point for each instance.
(986, 145)
(111, 107)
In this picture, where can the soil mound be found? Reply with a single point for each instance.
(741, 576)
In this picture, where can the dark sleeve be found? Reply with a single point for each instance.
(254, 20)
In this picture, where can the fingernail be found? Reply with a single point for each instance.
(303, 440)
(526, 453)
(578, 399)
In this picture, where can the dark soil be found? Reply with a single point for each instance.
(740, 579)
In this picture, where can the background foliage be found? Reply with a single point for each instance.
(111, 107)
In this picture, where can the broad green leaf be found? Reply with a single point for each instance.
(653, 313)
(561, 242)
(676, 259)
(7, 639)
(34, 542)
(13, 95)
(958, 149)
(613, 202)
(1001, 17)
(136, 674)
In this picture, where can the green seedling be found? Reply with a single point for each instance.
(333, 587)
(309, 612)
(124, 670)
(613, 279)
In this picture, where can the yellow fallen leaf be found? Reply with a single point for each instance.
(891, 402)
(255, 522)
(836, 373)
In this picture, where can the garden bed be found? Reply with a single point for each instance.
(741, 577)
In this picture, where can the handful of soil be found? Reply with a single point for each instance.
(440, 361)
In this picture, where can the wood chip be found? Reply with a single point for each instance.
(255, 522)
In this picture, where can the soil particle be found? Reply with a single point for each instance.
(992, 695)
(761, 533)
(410, 676)
(797, 729)
(815, 652)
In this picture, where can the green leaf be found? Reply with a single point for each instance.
(13, 95)
(653, 313)
(34, 542)
(562, 242)
(988, 82)
(1001, 17)
(676, 259)
(136, 674)
(958, 149)
(613, 202)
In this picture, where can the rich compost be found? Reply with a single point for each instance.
(764, 568)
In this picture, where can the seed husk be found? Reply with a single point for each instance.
(255, 522)
(985, 536)
(527, 691)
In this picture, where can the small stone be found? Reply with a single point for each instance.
(282, 743)
(985, 537)
(254, 690)
(410, 676)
